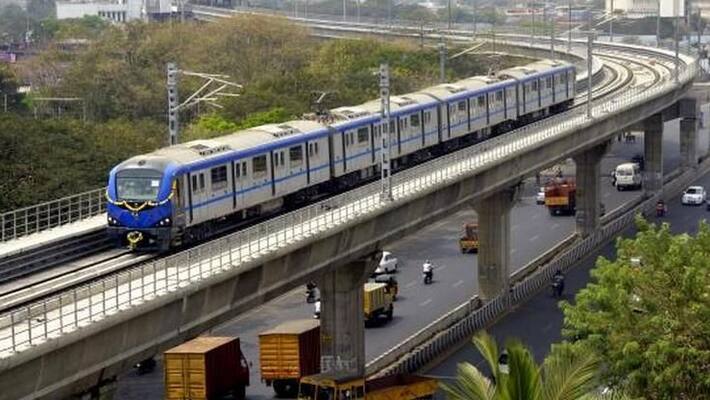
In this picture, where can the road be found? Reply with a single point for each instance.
(538, 322)
(533, 232)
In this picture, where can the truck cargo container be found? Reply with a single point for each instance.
(391, 387)
(288, 352)
(206, 368)
(377, 301)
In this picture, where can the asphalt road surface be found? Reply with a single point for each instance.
(538, 322)
(534, 231)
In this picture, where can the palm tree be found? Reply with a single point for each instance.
(562, 376)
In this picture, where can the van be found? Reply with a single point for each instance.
(628, 176)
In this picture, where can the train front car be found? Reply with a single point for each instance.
(141, 198)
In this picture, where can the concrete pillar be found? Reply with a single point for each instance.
(494, 242)
(653, 154)
(688, 142)
(588, 198)
(342, 322)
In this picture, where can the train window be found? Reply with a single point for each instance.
(194, 183)
(363, 135)
(481, 101)
(219, 177)
(315, 147)
(237, 170)
(202, 181)
(427, 117)
(548, 82)
(462, 106)
(258, 164)
(295, 155)
(392, 128)
(244, 168)
(414, 121)
(499, 96)
(534, 86)
(563, 78)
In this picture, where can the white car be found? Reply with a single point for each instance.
(388, 264)
(540, 196)
(694, 195)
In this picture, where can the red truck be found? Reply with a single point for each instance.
(560, 196)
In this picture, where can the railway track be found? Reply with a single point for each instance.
(618, 74)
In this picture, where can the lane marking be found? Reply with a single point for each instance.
(555, 225)
(441, 268)
(410, 284)
(457, 284)
(534, 238)
(424, 303)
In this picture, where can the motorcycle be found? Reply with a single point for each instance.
(661, 209)
(145, 366)
(557, 286)
(428, 277)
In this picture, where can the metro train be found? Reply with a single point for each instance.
(186, 192)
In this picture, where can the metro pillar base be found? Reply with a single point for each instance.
(653, 154)
(588, 199)
(342, 322)
(494, 242)
(688, 143)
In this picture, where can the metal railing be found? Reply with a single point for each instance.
(54, 316)
(39, 217)
(419, 350)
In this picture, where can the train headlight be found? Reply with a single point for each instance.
(112, 221)
(164, 222)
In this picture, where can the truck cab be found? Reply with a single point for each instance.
(468, 243)
(377, 301)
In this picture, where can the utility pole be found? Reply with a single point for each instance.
(475, 16)
(675, 37)
(344, 11)
(552, 38)
(442, 62)
(532, 25)
(201, 95)
(590, 42)
(357, 2)
(449, 6)
(611, 22)
(569, 26)
(658, 25)
(173, 119)
(385, 153)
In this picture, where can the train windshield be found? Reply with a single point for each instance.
(138, 185)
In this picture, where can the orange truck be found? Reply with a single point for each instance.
(468, 243)
(205, 368)
(560, 196)
(330, 386)
(288, 352)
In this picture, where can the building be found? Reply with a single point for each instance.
(118, 11)
(646, 8)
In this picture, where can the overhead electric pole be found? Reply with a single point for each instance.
(385, 153)
(201, 95)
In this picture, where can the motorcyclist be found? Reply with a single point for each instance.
(312, 292)
(316, 312)
(558, 283)
(428, 271)
(661, 208)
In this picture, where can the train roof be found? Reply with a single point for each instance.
(542, 66)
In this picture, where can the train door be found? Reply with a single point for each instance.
(280, 172)
(179, 202)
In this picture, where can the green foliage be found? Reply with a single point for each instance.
(649, 323)
(56, 158)
(563, 376)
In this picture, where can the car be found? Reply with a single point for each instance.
(693, 195)
(390, 281)
(388, 264)
(540, 196)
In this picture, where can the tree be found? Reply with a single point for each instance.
(561, 376)
(647, 314)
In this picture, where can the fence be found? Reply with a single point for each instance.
(427, 345)
(68, 311)
(36, 218)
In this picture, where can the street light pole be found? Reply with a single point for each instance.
(611, 23)
(658, 25)
(449, 6)
(173, 121)
(344, 11)
(532, 25)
